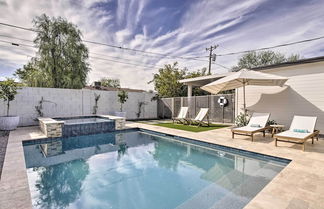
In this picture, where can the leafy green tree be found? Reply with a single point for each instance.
(61, 60)
(8, 91)
(31, 76)
(258, 59)
(109, 82)
(166, 81)
(122, 98)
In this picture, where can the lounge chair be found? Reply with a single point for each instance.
(257, 123)
(301, 129)
(199, 119)
(182, 116)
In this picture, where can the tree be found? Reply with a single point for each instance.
(8, 91)
(122, 98)
(61, 60)
(31, 76)
(263, 58)
(166, 81)
(197, 91)
(109, 82)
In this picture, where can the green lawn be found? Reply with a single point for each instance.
(191, 128)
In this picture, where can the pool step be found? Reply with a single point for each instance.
(232, 190)
(203, 199)
(242, 194)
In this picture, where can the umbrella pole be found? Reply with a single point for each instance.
(244, 104)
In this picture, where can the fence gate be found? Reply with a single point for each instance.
(170, 107)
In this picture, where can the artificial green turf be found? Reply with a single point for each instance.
(191, 128)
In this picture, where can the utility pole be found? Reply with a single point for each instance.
(211, 56)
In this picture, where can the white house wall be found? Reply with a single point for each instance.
(74, 102)
(303, 95)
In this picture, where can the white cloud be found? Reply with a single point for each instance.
(234, 25)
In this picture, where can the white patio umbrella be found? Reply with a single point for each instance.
(243, 78)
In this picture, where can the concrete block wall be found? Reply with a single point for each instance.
(76, 102)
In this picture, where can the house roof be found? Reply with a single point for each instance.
(286, 64)
(203, 80)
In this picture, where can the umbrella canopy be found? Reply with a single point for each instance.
(244, 77)
(241, 79)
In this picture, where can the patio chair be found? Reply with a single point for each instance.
(199, 119)
(301, 129)
(257, 123)
(182, 116)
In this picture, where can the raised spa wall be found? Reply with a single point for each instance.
(54, 128)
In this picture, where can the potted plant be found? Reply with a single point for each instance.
(122, 98)
(8, 91)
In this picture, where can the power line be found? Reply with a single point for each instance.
(180, 57)
(16, 44)
(21, 39)
(133, 63)
(272, 47)
(140, 66)
(13, 37)
(110, 45)
(126, 63)
(119, 47)
(7, 47)
(92, 57)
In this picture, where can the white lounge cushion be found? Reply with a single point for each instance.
(247, 128)
(303, 123)
(293, 134)
(259, 119)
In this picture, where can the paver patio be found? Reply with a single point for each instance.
(299, 185)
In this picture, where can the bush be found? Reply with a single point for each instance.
(8, 91)
(271, 122)
(242, 120)
(122, 98)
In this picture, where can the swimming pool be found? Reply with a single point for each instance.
(145, 170)
(83, 119)
(85, 125)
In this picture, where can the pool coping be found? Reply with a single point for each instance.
(14, 187)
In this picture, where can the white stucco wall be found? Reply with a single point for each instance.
(303, 95)
(72, 102)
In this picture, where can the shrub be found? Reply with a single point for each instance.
(242, 120)
(8, 91)
(122, 98)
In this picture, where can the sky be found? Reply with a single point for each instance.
(177, 28)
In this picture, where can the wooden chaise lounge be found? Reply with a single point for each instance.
(301, 129)
(257, 123)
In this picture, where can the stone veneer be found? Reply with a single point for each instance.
(50, 127)
(53, 128)
(119, 121)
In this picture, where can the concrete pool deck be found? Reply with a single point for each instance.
(299, 185)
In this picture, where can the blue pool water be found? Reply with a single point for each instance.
(83, 119)
(85, 125)
(138, 170)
